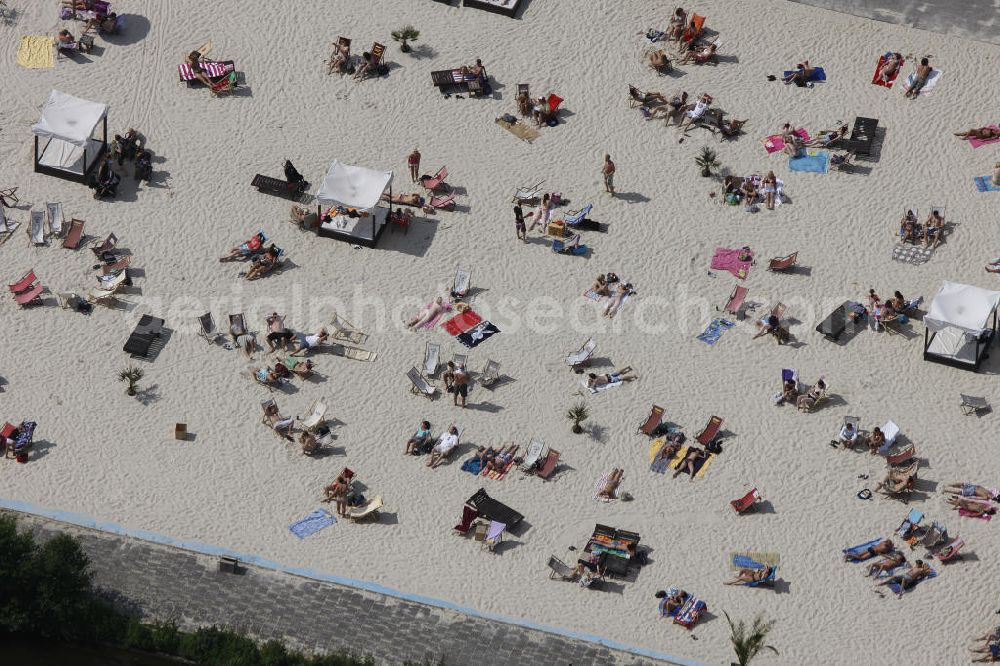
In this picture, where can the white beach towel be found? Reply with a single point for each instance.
(603, 387)
(932, 81)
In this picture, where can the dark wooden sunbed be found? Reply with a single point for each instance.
(146, 332)
(494, 510)
(838, 321)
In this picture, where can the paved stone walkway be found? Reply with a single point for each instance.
(973, 19)
(163, 582)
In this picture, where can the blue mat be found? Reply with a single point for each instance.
(894, 586)
(715, 331)
(861, 548)
(473, 466)
(814, 163)
(817, 75)
(985, 184)
(312, 523)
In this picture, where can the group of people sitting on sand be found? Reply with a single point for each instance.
(896, 309)
(930, 234)
(746, 191)
(850, 436)
(609, 285)
(804, 402)
(989, 648)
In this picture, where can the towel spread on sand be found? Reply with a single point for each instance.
(592, 295)
(932, 81)
(817, 74)
(813, 162)
(658, 463)
(473, 466)
(752, 560)
(462, 322)
(727, 259)
(774, 143)
(975, 143)
(715, 330)
(892, 79)
(36, 52)
(519, 129)
(895, 587)
(312, 523)
(477, 334)
(700, 466)
(909, 253)
(970, 514)
(985, 184)
(602, 387)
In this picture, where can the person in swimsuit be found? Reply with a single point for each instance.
(427, 313)
(909, 578)
(339, 58)
(304, 343)
(890, 67)
(746, 575)
(610, 486)
(687, 465)
(658, 59)
(672, 602)
(827, 137)
(974, 507)
(696, 113)
(883, 547)
(981, 133)
(194, 62)
(887, 563)
(933, 229)
(617, 299)
(540, 216)
(677, 23)
(625, 375)
(600, 286)
(800, 75)
(807, 401)
(770, 189)
(973, 490)
(908, 227)
(920, 80)
(519, 228)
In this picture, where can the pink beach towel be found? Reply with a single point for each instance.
(969, 514)
(726, 259)
(774, 143)
(434, 322)
(975, 143)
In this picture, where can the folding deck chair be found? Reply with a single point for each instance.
(973, 405)
(446, 202)
(783, 263)
(9, 193)
(432, 356)
(710, 431)
(7, 227)
(377, 53)
(527, 194)
(735, 302)
(490, 373)
(437, 181)
(316, 418)
(370, 511)
(208, 328)
(652, 421)
(460, 360)
(237, 326)
(581, 357)
(352, 353)
(107, 288)
(36, 230)
(74, 235)
(548, 464)
(272, 418)
(494, 535)
(532, 455)
(461, 284)
(560, 569)
(950, 550)
(572, 246)
(107, 246)
(571, 219)
(345, 330)
(117, 267)
(27, 290)
(54, 212)
(419, 384)
(746, 502)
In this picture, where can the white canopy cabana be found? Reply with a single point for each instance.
(359, 191)
(958, 325)
(67, 126)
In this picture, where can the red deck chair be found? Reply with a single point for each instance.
(783, 263)
(468, 515)
(710, 431)
(554, 101)
(746, 502)
(946, 553)
(74, 235)
(436, 181)
(652, 421)
(33, 294)
(5, 433)
(903, 456)
(736, 299)
(549, 464)
(443, 203)
(24, 283)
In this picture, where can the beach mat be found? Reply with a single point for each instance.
(932, 81)
(482, 331)
(896, 588)
(753, 560)
(818, 74)
(36, 52)
(462, 322)
(886, 84)
(312, 523)
(473, 466)
(813, 162)
(599, 389)
(985, 184)
(774, 143)
(860, 548)
(728, 259)
(976, 143)
(909, 253)
(519, 129)
(715, 330)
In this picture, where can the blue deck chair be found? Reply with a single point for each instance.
(573, 219)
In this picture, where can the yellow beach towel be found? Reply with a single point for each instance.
(36, 52)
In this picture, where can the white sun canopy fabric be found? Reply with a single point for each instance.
(354, 186)
(963, 307)
(69, 118)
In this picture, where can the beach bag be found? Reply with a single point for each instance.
(732, 199)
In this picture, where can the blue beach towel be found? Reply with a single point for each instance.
(895, 587)
(312, 523)
(473, 466)
(715, 331)
(985, 184)
(814, 162)
(861, 548)
(817, 75)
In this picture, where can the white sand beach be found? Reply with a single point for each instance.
(235, 484)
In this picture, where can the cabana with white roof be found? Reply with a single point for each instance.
(358, 189)
(958, 324)
(67, 126)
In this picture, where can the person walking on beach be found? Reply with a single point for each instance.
(413, 161)
(522, 233)
(460, 380)
(608, 170)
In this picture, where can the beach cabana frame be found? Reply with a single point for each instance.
(358, 188)
(960, 325)
(65, 146)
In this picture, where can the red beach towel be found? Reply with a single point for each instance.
(462, 322)
(878, 81)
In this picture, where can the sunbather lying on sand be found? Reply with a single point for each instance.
(624, 375)
(909, 578)
(499, 460)
(673, 601)
(293, 366)
(981, 133)
(887, 563)
(428, 313)
(989, 640)
(826, 137)
(446, 444)
(881, 548)
(800, 75)
(687, 465)
(975, 507)
(405, 199)
(670, 448)
(793, 142)
(890, 67)
(750, 576)
(973, 490)
(622, 290)
(305, 342)
(610, 487)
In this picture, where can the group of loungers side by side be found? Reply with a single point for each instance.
(421, 379)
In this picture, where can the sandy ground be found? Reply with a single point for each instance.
(104, 454)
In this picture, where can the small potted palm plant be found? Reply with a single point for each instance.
(706, 159)
(407, 34)
(578, 413)
(132, 375)
(748, 641)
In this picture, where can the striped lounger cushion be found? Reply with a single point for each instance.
(211, 69)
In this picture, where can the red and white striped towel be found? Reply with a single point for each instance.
(211, 69)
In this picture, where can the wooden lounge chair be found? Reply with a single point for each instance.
(74, 235)
(973, 405)
(652, 421)
(548, 465)
(746, 502)
(735, 302)
(278, 187)
(345, 330)
(437, 181)
(494, 510)
(36, 229)
(432, 358)
(316, 418)
(581, 357)
(208, 328)
(370, 511)
(783, 263)
(490, 373)
(108, 245)
(419, 384)
(710, 431)
(237, 326)
(145, 333)
(54, 213)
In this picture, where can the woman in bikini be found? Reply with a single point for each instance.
(687, 465)
(981, 133)
(887, 563)
(746, 575)
(770, 189)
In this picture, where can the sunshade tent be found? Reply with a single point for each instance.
(960, 325)
(66, 127)
(359, 189)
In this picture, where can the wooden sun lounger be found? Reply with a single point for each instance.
(711, 430)
(74, 235)
(652, 421)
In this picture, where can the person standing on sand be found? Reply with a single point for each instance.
(608, 170)
(460, 381)
(522, 233)
(413, 161)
